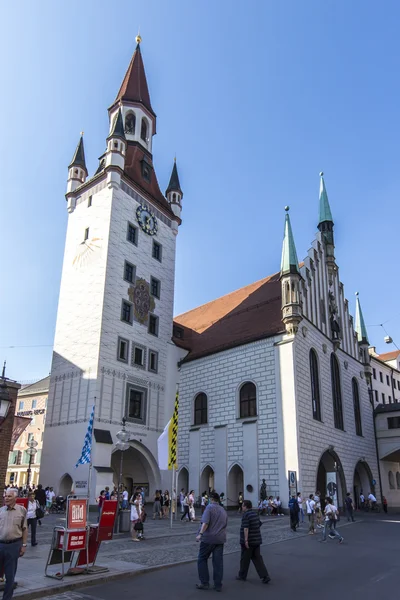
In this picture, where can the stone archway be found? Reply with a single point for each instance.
(183, 480)
(139, 469)
(362, 481)
(330, 478)
(235, 484)
(207, 479)
(65, 486)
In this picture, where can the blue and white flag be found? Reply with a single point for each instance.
(86, 455)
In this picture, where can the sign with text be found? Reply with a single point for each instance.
(76, 540)
(107, 519)
(292, 476)
(77, 513)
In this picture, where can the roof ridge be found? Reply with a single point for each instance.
(263, 279)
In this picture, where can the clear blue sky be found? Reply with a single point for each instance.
(254, 97)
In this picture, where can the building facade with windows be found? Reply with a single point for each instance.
(31, 405)
(275, 385)
(115, 313)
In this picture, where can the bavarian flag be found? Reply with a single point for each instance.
(168, 441)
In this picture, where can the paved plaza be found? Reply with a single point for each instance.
(370, 539)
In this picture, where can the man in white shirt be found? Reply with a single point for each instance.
(372, 500)
(310, 506)
(362, 501)
(125, 497)
(318, 513)
(331, 513)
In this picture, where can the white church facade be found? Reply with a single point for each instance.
(274, 379)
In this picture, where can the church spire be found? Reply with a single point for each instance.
(174, 192)
(77, 173)
(361, 329)
(325, 214)
(289, 262)
(78, 160)
(134, 85)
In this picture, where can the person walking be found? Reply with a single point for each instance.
(13, 539)
(166, 503)
(192, 511)
(294, 513)
(40, 496)
(100, 502)
(181, 499)
(31, 516)
(348, 502)
(173, 502)
(186, 509)
(240, 502)
(310, 506)
(136, 511)
(125, 497)
(318, 512)
(157, 505)
(204, 502)
(331, 514)
(212, 537)
(384, 504)
(250, 542)
(301, 511)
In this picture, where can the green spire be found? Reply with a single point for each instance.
(324, 208)
(78, 160)
(289, 263)
(361, 330)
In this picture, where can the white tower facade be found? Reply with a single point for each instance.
(115, 314)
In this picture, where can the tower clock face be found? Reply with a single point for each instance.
(146, 220)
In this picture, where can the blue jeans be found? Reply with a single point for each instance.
(332, 526)
(9, 554)
(217, 551)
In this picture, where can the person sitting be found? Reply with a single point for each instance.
(271, 506)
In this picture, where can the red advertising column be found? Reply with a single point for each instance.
(107, 520)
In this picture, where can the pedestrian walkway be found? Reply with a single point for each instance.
(162, 546)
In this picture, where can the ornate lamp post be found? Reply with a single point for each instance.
(5, 400)
(31, 451)
(122, 445)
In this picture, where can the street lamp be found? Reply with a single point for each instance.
(122, 445)
(5, 401)
(31, 451)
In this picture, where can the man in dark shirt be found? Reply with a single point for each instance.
(250, 541)
(40, 496)
(212, 536)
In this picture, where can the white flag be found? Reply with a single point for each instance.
(163, 447)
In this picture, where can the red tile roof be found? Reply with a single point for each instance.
(389, 355)
(133, 171)
(134, 86)
(248, 314)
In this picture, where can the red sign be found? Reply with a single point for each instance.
(93, 548)
(23, 502)
(75, 541)
(76, 513)
(107, 519)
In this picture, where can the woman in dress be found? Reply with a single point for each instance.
(136, 511)
(166, 504)
(157, 505)
(33, 505)
(192, 512)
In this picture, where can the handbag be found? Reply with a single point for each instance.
(138, 526)
(39, 511)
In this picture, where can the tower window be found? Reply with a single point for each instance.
(155, 287)
(137, 357)
(336, 393)
(153, 325)
(89, 202)
(374, 373)
(116, 145)
(86, 235)
(131, 234)
(126, 312)
(144, 130)
(123, 348)
(153, 361)
(130, 123)
(157, 251)
(136, 403)
(315, 395)
(129, 272)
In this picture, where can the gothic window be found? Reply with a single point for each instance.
(356, 403)
(315, 395)
(130, 123)
(200, 409)
(144, 130)
(336, 393)
(248, 400)
(391, 480)
(173, 197)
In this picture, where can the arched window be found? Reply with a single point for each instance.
(398, 480)
(248, 400)
(144, 130)
(336, 393)
(200, 409)
(356, 404)
(315, 397)
(391, 480)
(130, 123)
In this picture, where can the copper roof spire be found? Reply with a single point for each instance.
(134, 86)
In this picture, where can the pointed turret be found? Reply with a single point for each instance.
(325, 213)
(116, 152)
(362, 337)
(138, 116)
(290, 280)
(325, 225)
(174, 192)
(77, 173)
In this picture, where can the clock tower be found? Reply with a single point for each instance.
(114, 323)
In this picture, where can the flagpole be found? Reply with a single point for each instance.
(172, 494)
(88, 493)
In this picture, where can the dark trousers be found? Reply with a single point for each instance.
(349, 513)
(32, 523)
(252, 554)
(9, 554)
(186, 513)
(205, 551)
